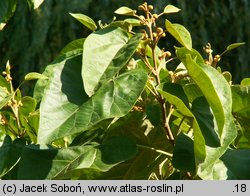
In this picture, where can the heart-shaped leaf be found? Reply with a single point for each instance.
(43, 162)
(105, 53)
(66, 110)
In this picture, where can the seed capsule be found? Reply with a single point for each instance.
(141, 7)
(159, 30)
(142, 17)
(150, 7)
(168, 54)
(155, 16)
(217, 58)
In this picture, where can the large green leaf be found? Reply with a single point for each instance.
(121, 58)
(43, 162)
(49, 71)
(180, 33)
(232, 165)
(205, 119)
(183, 156)
(99, 50)
(175, 95)
(237, 163)
(10, 153)
(7, 9)
(192, 91)
(117, 149)
(133, 125)
(218, 94)
(214, 87)
(66, 110)
(151, 143)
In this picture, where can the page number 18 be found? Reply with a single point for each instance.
(240, 188)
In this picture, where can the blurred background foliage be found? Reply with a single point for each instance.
(33, 38)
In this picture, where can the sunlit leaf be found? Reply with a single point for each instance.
(169, 9)
(180, 33)
(35, 76)
(133, 21)
(66, 110)
(105, 52)
(125, 11)
(245, 82)
(227, 75)
(34, 4)
(219, 93)
(235, 45)
(85, 20)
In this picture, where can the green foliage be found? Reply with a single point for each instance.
(8, 8)
(108, 108)
(85, 20)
